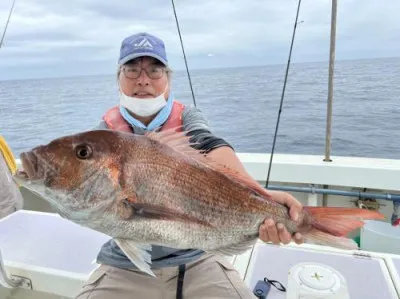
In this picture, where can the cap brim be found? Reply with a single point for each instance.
(136, 55)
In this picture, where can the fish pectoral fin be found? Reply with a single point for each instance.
(235, 249)
(152, 211)
(162, 213)
(137, 253)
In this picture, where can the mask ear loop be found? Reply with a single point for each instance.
(276, 284)
(165, 91)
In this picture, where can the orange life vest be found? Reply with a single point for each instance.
(115, 121)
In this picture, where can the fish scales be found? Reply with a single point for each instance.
(182, 188)
(171, 181)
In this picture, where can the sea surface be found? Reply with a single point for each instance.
(241, 105)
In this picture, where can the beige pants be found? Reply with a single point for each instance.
(209, 277)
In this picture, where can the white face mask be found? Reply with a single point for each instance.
(143, 107)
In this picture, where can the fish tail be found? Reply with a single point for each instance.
(317, 237)
(332, 224)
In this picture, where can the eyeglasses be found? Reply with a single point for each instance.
(153, 72)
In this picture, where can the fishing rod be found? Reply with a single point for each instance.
(183, 50)
(283, 94)
(8, 21)
(284, 85)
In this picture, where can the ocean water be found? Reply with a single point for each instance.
(241, 105)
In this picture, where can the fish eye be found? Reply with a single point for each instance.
(83, 151)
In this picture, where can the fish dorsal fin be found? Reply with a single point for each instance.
(179, 140)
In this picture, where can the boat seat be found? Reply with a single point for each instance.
(53, 254)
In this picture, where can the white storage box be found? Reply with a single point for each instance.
(366, 277)
(380, 236)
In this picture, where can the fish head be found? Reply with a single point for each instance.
(77, 174)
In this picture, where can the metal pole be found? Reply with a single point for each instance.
(11, 282)
(330, 83)
(330, 92)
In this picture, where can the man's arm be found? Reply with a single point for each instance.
(222, 152)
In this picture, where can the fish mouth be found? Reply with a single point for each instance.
(30, 169)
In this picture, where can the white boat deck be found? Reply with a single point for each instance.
(57, 256)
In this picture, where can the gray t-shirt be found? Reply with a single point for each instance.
(200, 133)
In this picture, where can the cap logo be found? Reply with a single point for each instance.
(144, 44)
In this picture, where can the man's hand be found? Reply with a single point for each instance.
(269, 232)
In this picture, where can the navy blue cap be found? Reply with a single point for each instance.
(142, 44)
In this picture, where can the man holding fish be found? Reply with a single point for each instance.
(147, 103)
(173, 197)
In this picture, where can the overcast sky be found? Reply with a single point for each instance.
(47, 38)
